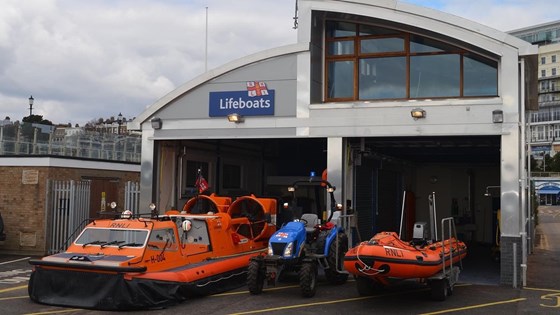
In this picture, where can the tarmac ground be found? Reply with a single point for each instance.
(477, 292)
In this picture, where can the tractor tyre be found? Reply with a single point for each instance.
(332, 274)
(308, 279)
(255, 277)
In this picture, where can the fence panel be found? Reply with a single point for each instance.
(69, 209)
(132, 197)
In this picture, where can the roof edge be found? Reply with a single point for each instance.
(211, 74)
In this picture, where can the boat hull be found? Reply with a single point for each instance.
(387, 257)
(99, 290)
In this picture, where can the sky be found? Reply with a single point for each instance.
(82, 60)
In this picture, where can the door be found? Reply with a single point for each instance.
(103, 192)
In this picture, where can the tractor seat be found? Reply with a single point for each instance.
(311, 220)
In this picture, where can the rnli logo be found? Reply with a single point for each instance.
(256, 100)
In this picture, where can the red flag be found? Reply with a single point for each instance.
(201, 183)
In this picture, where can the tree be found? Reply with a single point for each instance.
(36, 119)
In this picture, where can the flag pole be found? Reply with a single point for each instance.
(197, 187)
(206, 44)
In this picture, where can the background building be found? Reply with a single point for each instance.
(545, 123)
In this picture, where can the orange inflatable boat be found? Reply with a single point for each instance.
(139, 262)
(385, 258)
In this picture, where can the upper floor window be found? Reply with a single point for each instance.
(553, 58)
(543, 60)
(553, 71)
(543, 73)
(365, 62)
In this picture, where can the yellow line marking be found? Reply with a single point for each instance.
(55, 312)
(14, 297)
(474, 306)
(13, 289)
(324, 302)
(267, 289)
(302, 305)
(540, 289)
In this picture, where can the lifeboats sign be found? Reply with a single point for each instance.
(257, 100)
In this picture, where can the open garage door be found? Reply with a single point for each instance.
(239, 167)
(457, 169)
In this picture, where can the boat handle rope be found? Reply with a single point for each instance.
(220, 279)
(365, 270)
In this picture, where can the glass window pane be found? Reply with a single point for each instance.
(340, 83)
(383, 78)
(338, 48)
(379, 45)
(479, 78)
(340, 29)
(375, 30)
(434, 76)
(419, 44)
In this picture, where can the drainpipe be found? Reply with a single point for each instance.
(523, 177)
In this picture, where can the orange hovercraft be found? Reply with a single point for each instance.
(386, 259)
(154, 261)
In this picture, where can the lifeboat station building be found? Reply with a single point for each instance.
(388, 100)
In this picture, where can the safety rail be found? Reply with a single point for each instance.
(452, 237)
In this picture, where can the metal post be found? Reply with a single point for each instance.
(2, 140)
(523, 174)
(35, 140)
(515, 265)
(402, 214)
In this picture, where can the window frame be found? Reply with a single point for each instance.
(358, 55)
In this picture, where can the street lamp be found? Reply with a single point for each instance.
(119, 121)
(31, 99)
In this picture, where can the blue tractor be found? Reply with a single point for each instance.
(303, 246)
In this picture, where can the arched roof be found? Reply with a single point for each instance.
(209, 75)
(390, 10)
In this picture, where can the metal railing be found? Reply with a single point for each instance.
(68, 208)
(27, 139)
(132, 197)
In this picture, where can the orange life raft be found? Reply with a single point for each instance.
(135, 262)
(386, 256)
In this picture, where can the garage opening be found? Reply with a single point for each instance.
(459, 170)
(240, 167)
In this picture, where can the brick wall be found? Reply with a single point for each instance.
(23, 192)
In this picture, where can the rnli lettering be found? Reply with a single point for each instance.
(393, 252)
(120, 225)
(157, 258)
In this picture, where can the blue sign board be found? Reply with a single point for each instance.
(239, 102)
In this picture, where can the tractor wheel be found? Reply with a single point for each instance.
(333, 275)
(308, 279)
(255, 277)
(439, 289)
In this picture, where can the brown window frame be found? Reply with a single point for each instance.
(357, 56)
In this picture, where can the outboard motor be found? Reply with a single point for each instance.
(420, 233)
